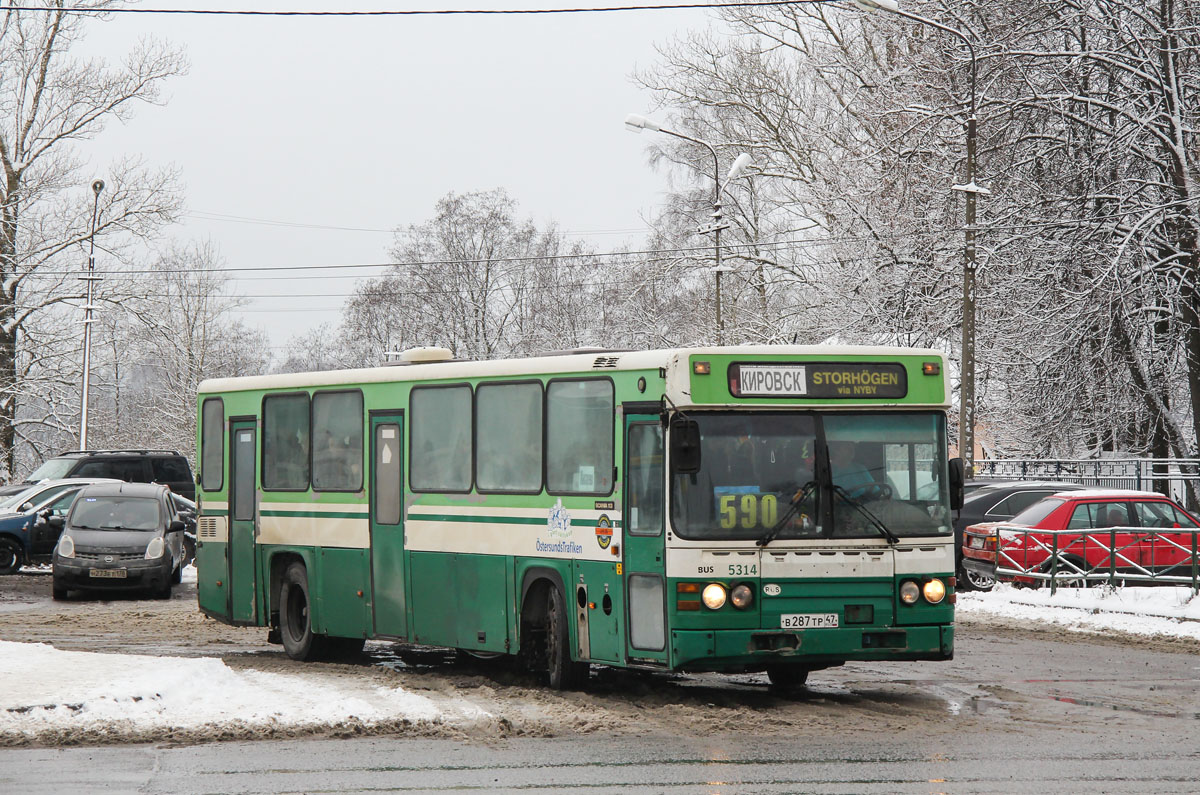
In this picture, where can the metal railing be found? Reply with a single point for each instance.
(1174, 477)
(1111, 556)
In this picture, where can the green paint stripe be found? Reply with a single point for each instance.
(214, 511)
(315, 514)
(529, 520)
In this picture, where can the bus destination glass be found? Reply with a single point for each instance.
(818, 380)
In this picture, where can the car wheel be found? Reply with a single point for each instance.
(295, 617)
(564, 673)
(974, 581)
(164, 592)
(177, 573)
(10, 556)
(787, 677)
(58, 593)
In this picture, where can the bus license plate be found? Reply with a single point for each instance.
(808, 620)
(114, 574)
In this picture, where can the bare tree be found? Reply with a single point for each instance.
(48, 103)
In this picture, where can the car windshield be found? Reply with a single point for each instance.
(793, 475)
(53, 469)
(1036, 512)
(10, 503)
(116, 513)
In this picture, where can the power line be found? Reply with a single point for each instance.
(598, 255)
(420, 12)
(204, 215)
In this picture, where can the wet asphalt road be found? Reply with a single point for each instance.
(1020, 709)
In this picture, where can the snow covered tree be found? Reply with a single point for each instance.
(49, 102)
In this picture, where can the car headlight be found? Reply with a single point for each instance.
(935, 591)
(155, 548)
(742, 596)
(66, 547)
(713, 596)
(909, 592)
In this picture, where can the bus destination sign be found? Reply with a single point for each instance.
(818, 380)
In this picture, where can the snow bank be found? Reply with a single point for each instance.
(1169, 611)
(46, 691)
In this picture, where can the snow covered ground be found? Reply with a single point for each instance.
(43, 689)
(1163, 611)
(54, 696)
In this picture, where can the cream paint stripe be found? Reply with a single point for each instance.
(495, 510)
(507, 539)
(314, 531)
(313, 507)
(216, 506)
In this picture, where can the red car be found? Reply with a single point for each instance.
(1121, 530)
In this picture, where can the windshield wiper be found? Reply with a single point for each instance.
(797, 500)
(891, 537)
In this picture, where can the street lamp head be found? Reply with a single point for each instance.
(97, 186)
(739, 165)
(878, 5)
(636, 123)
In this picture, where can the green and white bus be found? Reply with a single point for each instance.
(753, 508)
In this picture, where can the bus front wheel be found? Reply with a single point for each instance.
(295, 616)
(564, 673)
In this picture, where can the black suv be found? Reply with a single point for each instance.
(133, 466)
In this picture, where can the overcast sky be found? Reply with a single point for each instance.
(295, 134)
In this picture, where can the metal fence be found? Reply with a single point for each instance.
(1112, 556)
(1178, 478)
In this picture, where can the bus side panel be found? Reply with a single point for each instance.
(212, 562)
(603, 615)
(481, 587)
(344, 584)
(434, 606)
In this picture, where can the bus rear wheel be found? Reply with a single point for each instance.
(295, 616)
(564, 673)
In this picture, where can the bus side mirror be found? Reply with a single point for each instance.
(685, 446)
(957, 478)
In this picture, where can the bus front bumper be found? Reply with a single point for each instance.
(754, 649)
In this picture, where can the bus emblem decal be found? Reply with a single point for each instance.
(604, 531)
(559, 521)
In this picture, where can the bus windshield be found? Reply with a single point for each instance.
(814, 475)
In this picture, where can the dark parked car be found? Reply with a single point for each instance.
(996, 502)
(132, 466)
(25, 534)
(122, 536)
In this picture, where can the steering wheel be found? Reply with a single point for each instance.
(872, 491)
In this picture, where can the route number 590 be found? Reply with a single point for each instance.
(748, 510)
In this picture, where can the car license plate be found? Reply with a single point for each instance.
(807, 620)
(975, 542)
(113, 574)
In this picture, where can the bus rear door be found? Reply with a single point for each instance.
(387, 524)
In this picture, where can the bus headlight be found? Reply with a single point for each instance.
(742, 596)
(713, 596)
(909, 592)
(935, 591)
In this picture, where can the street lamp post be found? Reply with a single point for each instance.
(966, 386)
(636, 123)
(91, 279)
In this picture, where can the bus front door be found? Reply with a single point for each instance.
(644, 513)
(387, 524)
(243, 523)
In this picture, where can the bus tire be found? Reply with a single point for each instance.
(787, 677)
(295, 615)
(565, 674)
